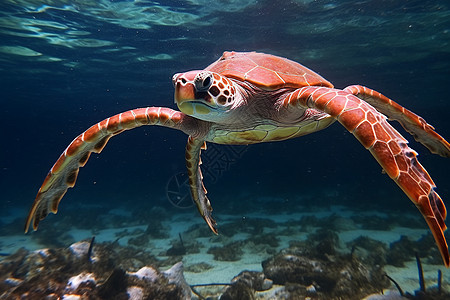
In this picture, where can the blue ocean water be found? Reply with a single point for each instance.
(65, 65)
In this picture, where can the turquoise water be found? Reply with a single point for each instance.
(65, 65)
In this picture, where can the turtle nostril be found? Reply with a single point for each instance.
(174, 79)
(177, 78)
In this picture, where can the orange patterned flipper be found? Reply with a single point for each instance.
(64, 172)
(388, 147)
(414, 124)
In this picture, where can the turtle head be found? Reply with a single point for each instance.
(205, 95)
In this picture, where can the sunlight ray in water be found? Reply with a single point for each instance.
(19, 50)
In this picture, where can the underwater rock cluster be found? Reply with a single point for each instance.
(81, 271)
(110, 271)
(245, 285)
(316, 269)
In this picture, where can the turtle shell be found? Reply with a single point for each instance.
(268, 72)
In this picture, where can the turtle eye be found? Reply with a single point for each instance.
(203, 82)
(207, 82)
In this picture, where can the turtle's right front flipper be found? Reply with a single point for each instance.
(414, 124)
(387, 146)
(64, 172)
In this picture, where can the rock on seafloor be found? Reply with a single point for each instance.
(76, 273)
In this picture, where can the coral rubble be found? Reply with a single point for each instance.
(305, 272)
(70, 273)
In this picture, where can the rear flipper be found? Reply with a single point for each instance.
(422, 131)
(388, 147)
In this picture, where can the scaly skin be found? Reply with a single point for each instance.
(388, 147)
(414, 124)
(198, 190)
(64, 172)
(247, 98)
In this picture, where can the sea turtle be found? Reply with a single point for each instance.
(250, 97)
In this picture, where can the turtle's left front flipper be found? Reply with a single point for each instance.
(388, 147)
(194, 147)
(64, 172)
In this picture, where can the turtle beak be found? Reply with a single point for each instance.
(184, 87)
